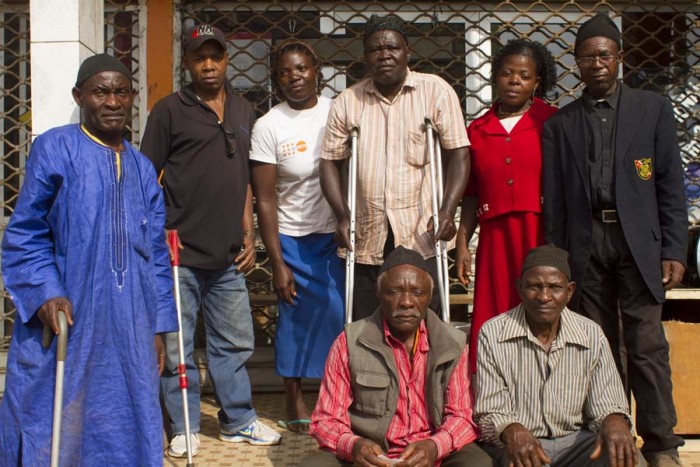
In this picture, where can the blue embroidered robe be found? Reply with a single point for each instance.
(82, 231)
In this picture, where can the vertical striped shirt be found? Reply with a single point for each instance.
(393, 185)
(330, 423)
(573, 386)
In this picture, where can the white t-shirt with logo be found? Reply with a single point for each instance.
(292, 139)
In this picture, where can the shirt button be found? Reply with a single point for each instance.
(508, 160)
(507, 139)
(605, 120)
(510, 181)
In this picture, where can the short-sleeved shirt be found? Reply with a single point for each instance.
(204, 184)
(393, 185)
(291, 139)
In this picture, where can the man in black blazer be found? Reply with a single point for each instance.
(614, 197)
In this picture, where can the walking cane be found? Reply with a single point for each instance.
(174, 243)
(350, 255)
(60, 370)
(437, 193)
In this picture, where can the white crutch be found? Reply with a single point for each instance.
(352, 198)
(58, 394)
(174, 243)
(437, 194)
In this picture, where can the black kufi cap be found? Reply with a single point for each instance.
(98, 64)
(402, 255)
(384, 23)
(599, 26)
(547, 255)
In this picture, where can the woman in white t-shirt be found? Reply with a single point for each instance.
(297, 224)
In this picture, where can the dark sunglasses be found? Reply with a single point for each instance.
(230, 138)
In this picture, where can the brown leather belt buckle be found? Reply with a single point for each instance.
(609, 216)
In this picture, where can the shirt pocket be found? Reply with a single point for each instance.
(371, 392)
(415, 149)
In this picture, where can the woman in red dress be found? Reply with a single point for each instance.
(503, 196)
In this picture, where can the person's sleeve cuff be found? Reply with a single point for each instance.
(346, 442)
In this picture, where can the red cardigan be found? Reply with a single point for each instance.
(506, 168)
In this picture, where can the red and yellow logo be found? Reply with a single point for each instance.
(643, 167)
(301, 146)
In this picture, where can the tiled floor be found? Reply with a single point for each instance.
(289, 452)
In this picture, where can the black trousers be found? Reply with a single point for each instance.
(613, 292)
(364, 296)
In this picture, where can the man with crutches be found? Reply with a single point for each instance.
(394, 196)
(86, 241)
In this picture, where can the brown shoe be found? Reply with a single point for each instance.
(664, 459)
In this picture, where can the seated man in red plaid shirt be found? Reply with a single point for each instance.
(396, 387)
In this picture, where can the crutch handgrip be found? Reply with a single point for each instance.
(182, 373)
(174, 244)
(62, 337)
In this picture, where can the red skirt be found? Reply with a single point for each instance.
(504, 242)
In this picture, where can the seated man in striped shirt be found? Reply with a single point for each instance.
(395, 389)
(547, 390)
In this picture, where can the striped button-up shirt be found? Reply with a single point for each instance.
(393, 185)
(552, 393)
(411, 423)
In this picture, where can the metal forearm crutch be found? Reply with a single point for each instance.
(437, 194)
(174, 243)
(350, 254)
(58, 395)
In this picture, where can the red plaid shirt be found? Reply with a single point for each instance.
(331, 423)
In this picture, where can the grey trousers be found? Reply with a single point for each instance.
(574, 449)
(470, 455)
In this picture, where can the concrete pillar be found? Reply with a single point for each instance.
(63, 34)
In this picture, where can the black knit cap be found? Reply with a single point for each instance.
(98, 64)
(547, 255)
(401, 256)
(599, 26)
(385, 23)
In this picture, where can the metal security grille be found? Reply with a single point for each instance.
(122, 40)
(449, 38)
(15, 105)
(456, 41)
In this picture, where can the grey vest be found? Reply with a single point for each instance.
(374, 377)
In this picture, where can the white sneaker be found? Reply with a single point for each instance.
(178, 445)
(256, 433)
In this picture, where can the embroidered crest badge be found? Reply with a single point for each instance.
(643, 167)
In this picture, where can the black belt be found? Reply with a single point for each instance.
(606, 216)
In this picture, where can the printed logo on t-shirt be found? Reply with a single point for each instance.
(289, 149)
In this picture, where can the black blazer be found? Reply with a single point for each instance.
(649, 189)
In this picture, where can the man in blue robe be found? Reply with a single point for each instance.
(87, 237)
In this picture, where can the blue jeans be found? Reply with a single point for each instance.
(223, 297)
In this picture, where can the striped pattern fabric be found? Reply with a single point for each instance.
(330, 423)
(393, 173)
(575, 385)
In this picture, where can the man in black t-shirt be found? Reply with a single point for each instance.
(198, 140)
